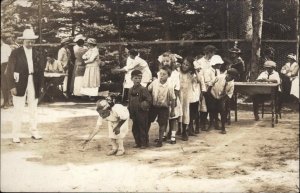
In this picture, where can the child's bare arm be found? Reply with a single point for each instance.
(117, 128)
(93, 133)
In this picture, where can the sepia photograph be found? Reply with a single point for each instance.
(150, 96)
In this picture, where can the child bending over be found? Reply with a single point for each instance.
(117, 117)
(221, 92)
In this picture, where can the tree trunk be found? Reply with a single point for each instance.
(257, 19)
(72, 15)
(247, 20)
(297, 28)
(165, 14)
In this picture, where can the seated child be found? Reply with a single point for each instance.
(221, 92)
(269, 76)
(53, 65)
(163, 97)
(117, 117)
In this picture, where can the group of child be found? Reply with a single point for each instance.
(174, 99)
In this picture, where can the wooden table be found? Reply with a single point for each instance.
(253, 88)
(52, 79)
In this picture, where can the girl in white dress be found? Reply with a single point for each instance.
(117, 117)
(169, 59)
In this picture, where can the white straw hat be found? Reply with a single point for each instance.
(28, 34)
(216, 59)
(79, 37)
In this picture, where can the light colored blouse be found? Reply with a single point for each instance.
(290, 70)
(91, 56)
(63, 56)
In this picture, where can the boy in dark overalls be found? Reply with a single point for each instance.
(139, 100)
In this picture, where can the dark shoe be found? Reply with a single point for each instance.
(191, 133)
(137, 146)
(209, 128)
(164, 139)
(197, 131)
(203, 126)
(159, 144)
(173, 142)
(223, 131)
(185, 137)
(217, 125)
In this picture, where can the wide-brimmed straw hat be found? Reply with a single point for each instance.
(216, 59)
(79, 37)
(92, 41)
(28, 34)
(269, 64)
(292, 56)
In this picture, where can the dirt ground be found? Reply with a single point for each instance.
(251, 157)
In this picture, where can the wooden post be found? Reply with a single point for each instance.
(257, 20)
(297, 29)
(227, 25)
(72, 15)
(119, 33)
(40, 21)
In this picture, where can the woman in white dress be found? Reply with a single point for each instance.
(91, 77)
(79, 67)
(295, 86)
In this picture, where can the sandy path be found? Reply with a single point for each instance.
(251, 157)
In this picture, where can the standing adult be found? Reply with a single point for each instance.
(288, 73)
(63, 56)
(237, 62)
(91, 77)
(5, 53)
(25, 75)
(79, 67)
(70, 66)
(134, 62)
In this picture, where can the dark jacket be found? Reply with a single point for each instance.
(139, 99)
(18, 63)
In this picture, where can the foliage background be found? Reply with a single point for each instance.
(151, 20)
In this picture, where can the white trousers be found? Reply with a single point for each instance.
(19, 107)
